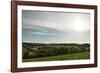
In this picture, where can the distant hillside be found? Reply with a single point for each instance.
(35, 50)
(63, 44)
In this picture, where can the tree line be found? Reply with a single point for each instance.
(29, 51)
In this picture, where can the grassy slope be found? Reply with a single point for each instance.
(74, 56)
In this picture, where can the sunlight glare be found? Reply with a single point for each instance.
(79, 25)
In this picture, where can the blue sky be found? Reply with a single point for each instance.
(55, 27)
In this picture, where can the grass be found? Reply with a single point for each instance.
(73, 56)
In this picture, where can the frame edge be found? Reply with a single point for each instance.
(14, 35)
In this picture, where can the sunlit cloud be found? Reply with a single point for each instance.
(55, 27)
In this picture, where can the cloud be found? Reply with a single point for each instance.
(61, 21)
(54, 27)
(40, 30)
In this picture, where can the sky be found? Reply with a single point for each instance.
(55, 27)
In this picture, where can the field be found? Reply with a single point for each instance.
(32, 52)
(74, 56)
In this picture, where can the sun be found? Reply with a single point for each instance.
(79, 25)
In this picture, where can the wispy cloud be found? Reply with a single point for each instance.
(54, 27)
(61, 21)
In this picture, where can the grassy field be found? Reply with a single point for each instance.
(74, 56)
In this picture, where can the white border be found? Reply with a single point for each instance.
(52, 63)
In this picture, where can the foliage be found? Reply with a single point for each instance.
(37, 50)
(73, 56)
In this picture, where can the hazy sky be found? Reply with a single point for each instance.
(55, 27)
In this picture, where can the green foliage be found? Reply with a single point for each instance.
(45, 50)
(73, 56)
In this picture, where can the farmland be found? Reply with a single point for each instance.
(50, 52)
